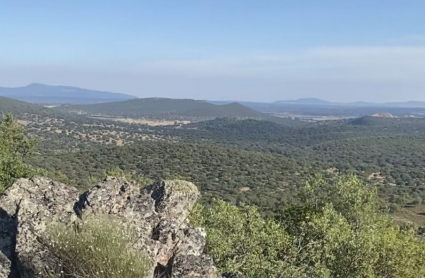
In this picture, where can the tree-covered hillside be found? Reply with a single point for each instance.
(242, 160)
(252, 157)
(233, 175)
(165, 108)
(20, 108)
(266, 213)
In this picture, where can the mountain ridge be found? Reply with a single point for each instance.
(309, 101)
(320, 102)
(61, 94)
(57, 94)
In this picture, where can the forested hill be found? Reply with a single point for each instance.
(18, 108)
(405, 123)
(165, 107)
(33, 112)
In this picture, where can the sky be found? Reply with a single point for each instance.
(264, 50)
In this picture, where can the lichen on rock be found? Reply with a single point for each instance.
(4, 266)
(156, 214)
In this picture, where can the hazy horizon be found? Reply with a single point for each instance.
(219, 50)
(217, 100)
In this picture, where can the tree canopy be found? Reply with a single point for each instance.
(339, 231)
(14, 148)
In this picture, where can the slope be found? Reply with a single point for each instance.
(17, 107)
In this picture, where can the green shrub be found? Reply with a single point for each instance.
(347, 235)
(14, 148)
(240, 240)
(99, 248)
(339, 231)
(117, 172)
(59, 176)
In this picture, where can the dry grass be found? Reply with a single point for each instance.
(413, 215)
(100, 248)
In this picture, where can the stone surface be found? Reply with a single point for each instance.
(190, 261)
(157, 215)
(4, 266)
(28, 206)
(233, 275)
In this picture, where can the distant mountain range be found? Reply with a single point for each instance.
(58, 95)
(120, 105)
(316, 101)
(148, 108)
(54, 95)
(306, 101)
(321, 102)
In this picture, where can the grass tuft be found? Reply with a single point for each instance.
(100, 248)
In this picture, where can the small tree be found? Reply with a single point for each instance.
(14, 148)
(241, 241)
(338, 231)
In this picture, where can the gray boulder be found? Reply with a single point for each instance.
(28, 206)
(4, 266)
(157, 214)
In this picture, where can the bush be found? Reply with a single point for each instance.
(241, 241)
(347, 235)
(99, 248)
(339, 231)
(14, 148)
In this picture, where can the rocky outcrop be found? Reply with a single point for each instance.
(4, 266)
(158, 215)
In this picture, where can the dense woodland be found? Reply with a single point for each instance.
(279, 198)
(248, 161)
(334, 227)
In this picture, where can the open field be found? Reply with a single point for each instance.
(411, 214)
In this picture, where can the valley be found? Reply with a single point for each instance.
(247, 157)
(212, 139)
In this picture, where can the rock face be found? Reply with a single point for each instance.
(4, 266)
(158, 215)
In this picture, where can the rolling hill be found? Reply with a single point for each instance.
(388, 124)
(321, 102)
(46, 94)
(165, 108)
(17, 107)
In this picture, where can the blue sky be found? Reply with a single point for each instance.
(246, 50)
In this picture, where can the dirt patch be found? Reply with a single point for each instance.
(146, 121)
(376, 176)
(22, 122)
(332, 170)
(120, 142)
(410, 215)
